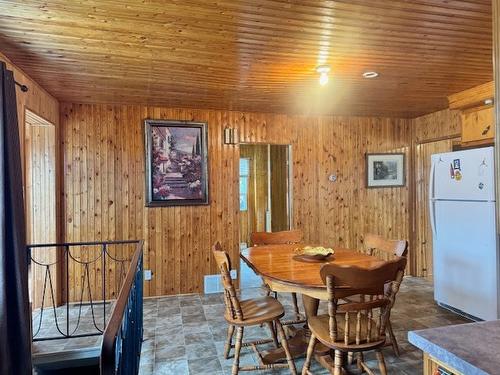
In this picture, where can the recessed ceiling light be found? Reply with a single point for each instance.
(323, 71)
(370, 75)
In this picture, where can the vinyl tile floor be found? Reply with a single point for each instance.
(83, 320)
(185, 334)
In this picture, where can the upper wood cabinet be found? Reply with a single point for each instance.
(473, 97)
(477, 125)
(476, 113)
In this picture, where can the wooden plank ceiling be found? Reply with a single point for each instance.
(253, 55)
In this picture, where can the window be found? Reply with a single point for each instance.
(244, 180)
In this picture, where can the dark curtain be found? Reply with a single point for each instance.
(15, 340)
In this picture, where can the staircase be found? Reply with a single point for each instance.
(95, 349)
(176, 182)
(83, 361)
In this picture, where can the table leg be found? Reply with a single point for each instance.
(321, 352)
(300, 337)
(311, 305)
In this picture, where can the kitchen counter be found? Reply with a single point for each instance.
(467, 349)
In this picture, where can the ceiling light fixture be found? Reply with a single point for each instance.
(370, 75)
(323, 71)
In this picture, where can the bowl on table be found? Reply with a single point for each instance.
(313, 254)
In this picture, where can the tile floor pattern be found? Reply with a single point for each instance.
(185, 334)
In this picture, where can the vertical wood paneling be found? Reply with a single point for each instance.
(104, 181)
(38, 101)
(41, 103)
(442, 124)
(104, 162)
(423, 235)
(40, 148)
(436, 129)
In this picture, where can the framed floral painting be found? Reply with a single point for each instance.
(176, 163)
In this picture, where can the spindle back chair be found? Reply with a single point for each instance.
(375, 243)
(386, 249)
(294, 236)
(250, 312)
(276, 238)
(356, 326)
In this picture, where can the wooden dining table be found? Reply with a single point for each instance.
(283, 272)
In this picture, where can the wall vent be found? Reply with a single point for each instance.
(213, 284)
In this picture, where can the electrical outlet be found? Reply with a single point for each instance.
(234, 274)
(148, 275)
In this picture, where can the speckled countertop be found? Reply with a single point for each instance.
(469, 348)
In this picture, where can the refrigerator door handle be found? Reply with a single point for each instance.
(432, 216)
(431, 200)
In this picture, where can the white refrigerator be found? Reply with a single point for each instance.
(462, 217)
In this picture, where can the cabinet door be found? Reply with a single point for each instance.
(478, 125)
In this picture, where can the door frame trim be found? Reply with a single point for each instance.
(413, 194)
(290, 175)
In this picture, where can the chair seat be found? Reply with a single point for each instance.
(258, 310)
(320, 328)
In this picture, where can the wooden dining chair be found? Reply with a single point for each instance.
(386, 249)
(277, 238)
(355, 327)
(382, 247)
(250, 312)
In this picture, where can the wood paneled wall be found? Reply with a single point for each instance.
(435, 126)
(422, 244)
(40, 200)
(40, 102)
(104, 179)
(432, 133)
(36, 99)
(104, 184)
(104, 174)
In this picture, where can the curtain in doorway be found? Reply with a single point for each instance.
(15, 340)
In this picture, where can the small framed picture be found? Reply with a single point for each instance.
(385, 170)
(176, 163)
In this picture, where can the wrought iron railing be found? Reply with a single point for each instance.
(88, 260)
(122, 340)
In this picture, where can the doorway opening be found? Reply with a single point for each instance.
(40, 169)
(265, 196)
